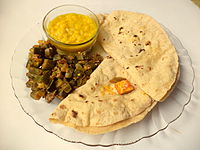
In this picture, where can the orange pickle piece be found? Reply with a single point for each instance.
(124, 87)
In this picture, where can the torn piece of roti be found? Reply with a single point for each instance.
(107, 99)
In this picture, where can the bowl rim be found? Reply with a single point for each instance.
(58, 42)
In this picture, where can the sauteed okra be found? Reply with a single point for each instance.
(51, 74)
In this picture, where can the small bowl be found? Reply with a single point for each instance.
(64, 9)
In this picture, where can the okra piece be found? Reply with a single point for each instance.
(64, 68)
(28, 64)
(41, 85)
(69, 73)
(35, 60)
(59, 82)
(82, 80)
(88, 72)
(70, 59)
(38, 50)
(61, 94)
(31, 76)
(36, 71)
(46, 77)
(50, 96)
(48, 64)
(56, 57)
(66, 87)
(87, 66)
(79, 67)
(49, 52)
(39, 78)
(29, 83)
(79, 56)
(51, 87)
(77, 74)
(37, 94)
(72, 83)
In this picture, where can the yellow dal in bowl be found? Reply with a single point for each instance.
(72, 28)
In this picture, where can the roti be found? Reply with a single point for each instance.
(139, 44)
(124, 123)
(109, 128)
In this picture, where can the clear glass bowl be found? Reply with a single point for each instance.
(64, 9)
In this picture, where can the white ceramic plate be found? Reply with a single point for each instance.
(159, 119)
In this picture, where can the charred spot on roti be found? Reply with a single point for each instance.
(96, 83)
(100, 100)
(86, 101)
(82, 96)
(131, 55)
(115, 113)
(134, 44)
(114, 100)
(92, 88)
(135, 35)
(116, 79)
(148, 43)
(136, 55)
(92, 102)
(141, 50)
(115, 18)
(144, 93)
(139, 44)
(143, 84)
(132, 99)
(98, 111)
(163, 58)
(62, 107)
(104, 39)
(120, 30)
(109, 57)
(53, 114)
(120, 42)
(74, 114)
(139, 67)
(141, 31)
(149, 68)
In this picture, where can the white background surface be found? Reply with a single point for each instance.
(19, 132)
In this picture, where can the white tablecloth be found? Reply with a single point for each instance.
(19, 132)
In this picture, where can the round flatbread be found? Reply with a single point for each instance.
(137, 42)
